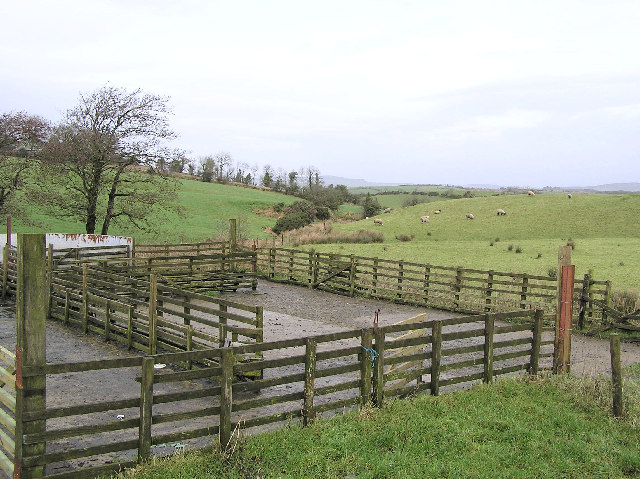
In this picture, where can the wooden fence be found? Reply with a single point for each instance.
(450, 288)
(302, 378)
(196, 272)
(7, 410)
(147, 315)
(185, 249)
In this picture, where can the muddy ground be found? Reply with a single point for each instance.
(289, 312)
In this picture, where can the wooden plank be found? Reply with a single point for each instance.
(226, 396)
(309, 382)
(436, 355)
(378, 369)
(146, 405)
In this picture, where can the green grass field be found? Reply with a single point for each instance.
(206, 209)
(604, 228)
(545, 427)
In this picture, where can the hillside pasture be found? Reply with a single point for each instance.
(604, 229)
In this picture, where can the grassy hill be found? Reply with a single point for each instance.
(206, 209)
(605, 230)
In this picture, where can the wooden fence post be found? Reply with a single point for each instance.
(153, 300)
(374, 281)
(436, 355)
(130, 326)
(65, 321)
(352, 277)
(310, 270)
(5, 269)
(189, 345)
(222, 329)
(564, 259)
(400, 279)
(146, 405)
(616, 374)
(309, 381)
(107, 320)
(366, 359)
(31, 310)
(427, 276)
(272, 262)
(254, 268)
(226, 395)
(607, 300)
(85, 299)
(457, 289)
(233, 235)
(488, 292)
(378, 370)
(523, 294)
(489, 324)
(538, 323)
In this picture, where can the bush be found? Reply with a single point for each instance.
(518, 249)
(291, 222)
(278, 207)
(571, 243)
(496, 240)
(403, 237)
(552, 272)
(370, 206)
(510, 247)
(323, 213)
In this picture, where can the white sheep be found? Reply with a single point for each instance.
(424, 219)
(377, 221)
(470, 216)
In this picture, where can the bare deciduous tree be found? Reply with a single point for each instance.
(106, 151)
(21, 136)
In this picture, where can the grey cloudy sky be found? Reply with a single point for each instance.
(529, 93)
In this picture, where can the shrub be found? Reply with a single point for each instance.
(323, 213)
(370, 206)
(403, 237)
(518, 249)
(626, 301)
(552, 272)
(510, 247)
(571, 243)
(491, 244)
(539, 256)
(291, 222)
(497, 240)
(278, 207)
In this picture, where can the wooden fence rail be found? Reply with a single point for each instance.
(302, 378)
(7, 410)
(450, 288)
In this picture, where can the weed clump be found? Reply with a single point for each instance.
(404, 237)
(518, 249)
(510, 247)
(571, 243)
(552, 272)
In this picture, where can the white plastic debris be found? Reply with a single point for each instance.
(159, 366)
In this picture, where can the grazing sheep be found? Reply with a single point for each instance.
(531, 193)
(501, 212)
(424, 219)
(377, 221)
(569, 196)
(470, 216)
(437, 212)
(387, 210)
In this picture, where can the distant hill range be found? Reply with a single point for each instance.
(610, 187)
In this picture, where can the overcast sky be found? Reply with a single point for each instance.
(529, 93)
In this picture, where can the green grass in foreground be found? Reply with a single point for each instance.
(545, 427)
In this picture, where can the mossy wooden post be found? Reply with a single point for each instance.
(352, 276)
(378, 370)
(488, 292)
(590, 295)
(146, 405)
(153, 299)
(222, 329)
(436, 356)
(523, 292)
(186, 310)
(374, 282)
(536, 341)
(365, 367)
(226, 395)
(607, 300)
(260, 332)
(427, 277)
(400, 278)
(233, 235)
(31, 310)
(616, 374)
(316, 265)
(5, 269)
(85, 299)
(564, 259)
(254, 268)
(309, 381)
(489, 324)
(49, 278)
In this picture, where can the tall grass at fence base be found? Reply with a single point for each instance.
(324, 234)
(528, 427)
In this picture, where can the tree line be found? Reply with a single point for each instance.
(108, 161)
